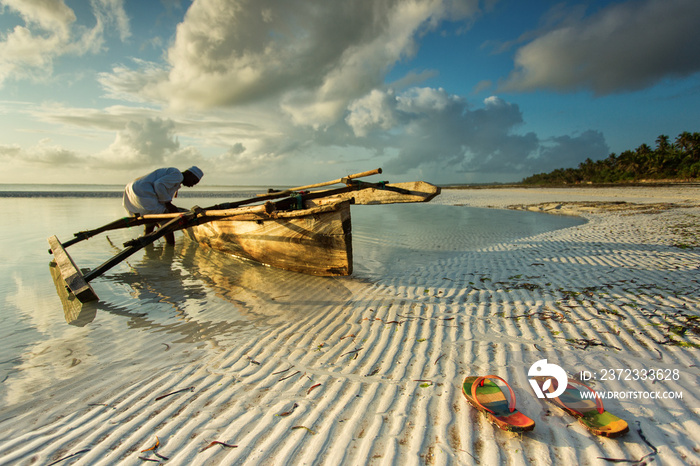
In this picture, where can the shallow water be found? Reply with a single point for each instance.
(163, 296)
(394, 237)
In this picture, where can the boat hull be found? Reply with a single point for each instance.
(316, 240)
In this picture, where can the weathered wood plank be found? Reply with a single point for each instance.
(71, 274)
(76, 313)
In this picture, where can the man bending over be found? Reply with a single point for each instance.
(154, 193)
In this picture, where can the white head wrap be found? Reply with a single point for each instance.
(196, 171)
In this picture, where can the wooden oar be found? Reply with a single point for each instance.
(345, 180)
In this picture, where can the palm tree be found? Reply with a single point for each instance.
(662, 144)
(629, 165)
(684, 141)
(645, 157)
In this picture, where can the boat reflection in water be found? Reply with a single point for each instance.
(264, 295)
(204, 295)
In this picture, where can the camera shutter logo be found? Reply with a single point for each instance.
(542, 369)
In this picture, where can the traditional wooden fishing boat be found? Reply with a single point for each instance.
(304, 231)
(315, 239)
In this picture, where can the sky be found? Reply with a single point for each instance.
(287, 92)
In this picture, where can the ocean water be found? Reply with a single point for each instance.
(186, 295)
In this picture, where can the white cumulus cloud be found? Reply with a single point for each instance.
(148, 143)
(311, 57)
(430, 129)
(28, 51)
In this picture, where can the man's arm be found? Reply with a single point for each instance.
(171, 208)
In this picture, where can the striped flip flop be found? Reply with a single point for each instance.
(487, 397)
(589, 411)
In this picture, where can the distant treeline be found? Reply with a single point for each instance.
(668, 161)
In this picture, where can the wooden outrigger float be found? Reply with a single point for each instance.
(297, 229)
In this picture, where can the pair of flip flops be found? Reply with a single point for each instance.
(487, 397)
